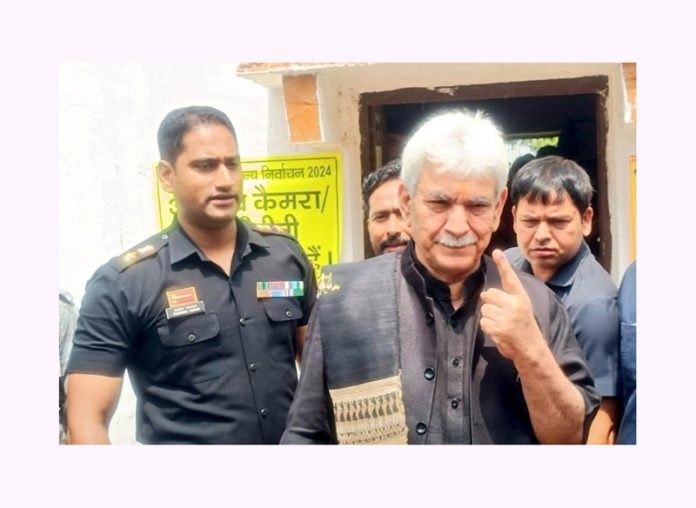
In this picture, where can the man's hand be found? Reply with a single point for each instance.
(507, 316)
(556, 407)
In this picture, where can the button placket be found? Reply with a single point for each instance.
(452, 403)
(429, 318)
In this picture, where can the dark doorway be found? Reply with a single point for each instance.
(573, 109)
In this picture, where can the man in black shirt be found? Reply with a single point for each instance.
(552, 215)
(442, 344)
(208, 315)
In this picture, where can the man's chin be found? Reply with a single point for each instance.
(393, 248)
(217, 221)
(545, 260)
(450, 271)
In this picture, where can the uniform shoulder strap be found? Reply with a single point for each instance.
(270, 229)
(141, 251)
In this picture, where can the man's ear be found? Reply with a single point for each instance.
(499, 206)
(165, 175)
(405, 204)
(587, 221)
(514, 218)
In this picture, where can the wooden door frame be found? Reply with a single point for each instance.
(371, 123)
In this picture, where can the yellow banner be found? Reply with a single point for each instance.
(298, 193)
(632, 210)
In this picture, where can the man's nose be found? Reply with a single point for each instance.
(542, 232)
(457, 221)
(394, 225)
(224, 177)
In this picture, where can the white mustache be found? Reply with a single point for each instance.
(457, 241)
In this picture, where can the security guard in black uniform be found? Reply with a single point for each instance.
(208, 316)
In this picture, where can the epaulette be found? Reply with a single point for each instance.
(273, 230)
(142, 251)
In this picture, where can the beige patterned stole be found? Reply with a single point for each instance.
(370, 413)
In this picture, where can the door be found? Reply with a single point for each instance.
(574, 109)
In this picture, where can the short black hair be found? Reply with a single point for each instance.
(177, 123)
(390, 171)
(516, 165)
(540, 178)
(547, 150)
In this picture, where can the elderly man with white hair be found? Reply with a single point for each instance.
(441, 344)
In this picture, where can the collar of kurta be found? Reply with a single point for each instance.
(429, 288)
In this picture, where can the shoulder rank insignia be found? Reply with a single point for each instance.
(285, 229)
(269, 228)
(142, 251)
(131, 257)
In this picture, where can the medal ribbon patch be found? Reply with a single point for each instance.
(280, 288)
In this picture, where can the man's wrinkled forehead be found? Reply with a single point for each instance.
(437, 178)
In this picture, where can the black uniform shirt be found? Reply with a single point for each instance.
(223, 375)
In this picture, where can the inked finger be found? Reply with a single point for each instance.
(511, 282)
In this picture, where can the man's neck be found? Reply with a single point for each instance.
(211, 238)
(218, 244)
(543, 274)
(454, 282)
(457, 294)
